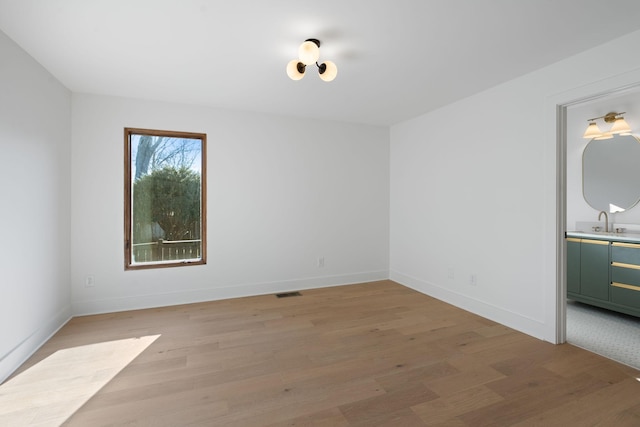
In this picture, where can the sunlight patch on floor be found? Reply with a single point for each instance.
(50, 392)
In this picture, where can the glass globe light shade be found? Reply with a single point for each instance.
(330, 71)
(308, 52)
(292, 70)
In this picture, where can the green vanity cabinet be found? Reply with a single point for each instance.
(605, 273)
(588, 270)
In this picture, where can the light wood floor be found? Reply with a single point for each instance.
(375, 354)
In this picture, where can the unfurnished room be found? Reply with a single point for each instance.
(339, 213)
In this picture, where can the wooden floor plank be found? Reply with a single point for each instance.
(372, 354)
(443, 410)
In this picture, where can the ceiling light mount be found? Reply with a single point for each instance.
(619, 127)
(309, 53)
(611, 117)
(316, 41)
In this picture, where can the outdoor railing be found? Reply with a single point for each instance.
(166, 250)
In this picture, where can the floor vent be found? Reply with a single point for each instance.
(289, 294)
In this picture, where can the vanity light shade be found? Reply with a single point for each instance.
(593, 131)
(308, 52)
(620, 126)
(293, 70)
(330, 71)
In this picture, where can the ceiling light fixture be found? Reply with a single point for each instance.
(308, 54)
(619, 127)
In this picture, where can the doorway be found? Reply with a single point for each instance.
(597, 330)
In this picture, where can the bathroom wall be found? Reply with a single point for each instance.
(577, 207)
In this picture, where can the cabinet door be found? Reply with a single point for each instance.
(594, 269)
(573, 266)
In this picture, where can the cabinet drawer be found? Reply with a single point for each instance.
(627, 253)
(629, 296)
(626, 275)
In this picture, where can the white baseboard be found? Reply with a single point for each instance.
(136, 302)
(30, 344)
(508, 318)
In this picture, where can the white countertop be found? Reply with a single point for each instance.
(601, 235)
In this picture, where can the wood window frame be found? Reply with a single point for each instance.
(128, 193)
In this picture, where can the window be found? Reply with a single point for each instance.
(165, 198)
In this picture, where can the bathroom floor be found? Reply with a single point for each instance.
(610, 334)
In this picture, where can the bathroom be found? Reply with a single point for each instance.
(607, 332)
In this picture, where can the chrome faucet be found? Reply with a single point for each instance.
(606, 220)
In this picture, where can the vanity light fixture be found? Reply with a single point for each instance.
(308, 54)
(619, 127)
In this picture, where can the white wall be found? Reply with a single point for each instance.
(35, 141)
(281, 193)
(473, 191)
(577, 208)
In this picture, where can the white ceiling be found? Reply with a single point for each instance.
(396, 59)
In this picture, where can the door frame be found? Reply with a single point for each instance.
(557, 108)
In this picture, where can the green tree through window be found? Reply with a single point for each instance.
(165, 198)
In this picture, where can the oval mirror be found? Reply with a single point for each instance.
(611, 173)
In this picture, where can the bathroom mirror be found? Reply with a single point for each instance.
(611, 173)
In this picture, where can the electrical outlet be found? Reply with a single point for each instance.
(321, 262)
(473, 280)
(89, 281)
